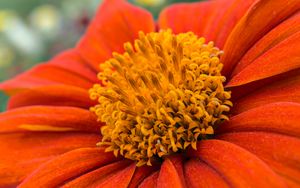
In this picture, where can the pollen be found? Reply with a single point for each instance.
(162, 95)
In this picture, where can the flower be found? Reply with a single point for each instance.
(49, 135)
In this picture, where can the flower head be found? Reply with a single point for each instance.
(161, 96)
(168, 108)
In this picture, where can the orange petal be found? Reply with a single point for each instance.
(285, 90)
(43, 75)
(150, 181)
(278, 34)
(282, 153)
(178, 17)
(120, 179)
(115, 23)
(171, 174)
(66, 166)
(259, 20)
(140, 174)
(53, 95)
(21, 153)
(200, 175)
(282, 117)
(47, 118)
(225, 23)
(238, 166)
(243, 90)
(291, 184)
(72, 61)
(96, 177)
(281, 58)
(215, 19)
(223, 18)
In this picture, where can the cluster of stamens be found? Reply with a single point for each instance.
(161, 96)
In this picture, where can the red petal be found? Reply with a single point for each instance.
(150, 181)
(54, 95)
(286, 90)
(72, 61)
(243, 90)
(281, 117)
(21, 153)
(43, 75)
(46, 118)
(200, 175)
(66, 166)
(282, 153)
(292, 184)
(171, 174)
(259, 20)
(140, 174)
(96, 177)
(119, 180)
(214, 19)
(281, 58)
(223, 26)
(238, 166)
(278, 34)
(115, 23)
(178, 17)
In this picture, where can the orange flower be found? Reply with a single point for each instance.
(49, 135)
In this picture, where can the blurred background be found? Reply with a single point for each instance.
(32, 31)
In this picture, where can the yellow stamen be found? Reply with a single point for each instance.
(162, 95)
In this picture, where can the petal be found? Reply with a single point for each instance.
(47, 118)
(223, 26)
(281, 58)
(244, 90)
(238, 166)
(150, 181)
(282, 117)
(200, 175)
(96, 177)
(140, 174)
(120, 179)
(72, 61)
(66, 166)
(178, 17)
(285, 90)
(253, 25)
(21, 153)
(43, 75)
(278, 34)
(171, 174)
(214, 19)
(291, 184)
(115, 23)
(53, 95)
(280, 152)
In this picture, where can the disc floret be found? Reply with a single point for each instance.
(161, 96)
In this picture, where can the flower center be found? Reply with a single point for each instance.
(161, 96)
